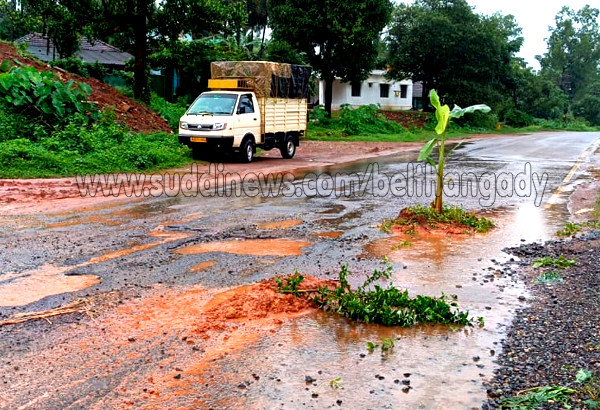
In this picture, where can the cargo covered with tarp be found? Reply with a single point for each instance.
(271, 80)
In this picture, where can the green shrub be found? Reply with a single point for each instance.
(43, 96)
(366, 119)
(318, 114)
(171, 112)
(517, 118)
(477, 120)
(83, 69)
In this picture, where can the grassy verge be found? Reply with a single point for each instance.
(32, 150)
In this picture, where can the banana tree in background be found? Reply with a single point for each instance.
(443, 116)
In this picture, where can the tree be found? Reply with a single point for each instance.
(573, 57)
(444, 44)
(339, 37)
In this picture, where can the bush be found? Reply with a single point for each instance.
(318, 114)
(518, 118)
(43, 96)
(366, 120)
(76, 66)
(477, 120)
(171, 112)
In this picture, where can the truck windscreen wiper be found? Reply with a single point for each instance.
(200, 113)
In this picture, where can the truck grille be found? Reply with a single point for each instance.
(200, 127)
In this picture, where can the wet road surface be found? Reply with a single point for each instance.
(147, 268)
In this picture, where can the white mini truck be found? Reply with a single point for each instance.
(251, 104)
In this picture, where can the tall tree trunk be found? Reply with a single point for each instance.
(329, 78)
(139, 71)
(262, 42)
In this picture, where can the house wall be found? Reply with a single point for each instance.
(369, 93)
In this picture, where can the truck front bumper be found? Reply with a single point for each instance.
(210, 142)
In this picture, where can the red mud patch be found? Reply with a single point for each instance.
(256, 247)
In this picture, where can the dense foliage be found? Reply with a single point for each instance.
(339, 38)
(389, 306)
(444, 44)
(43, 96)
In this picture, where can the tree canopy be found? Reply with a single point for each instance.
(443, 43)
(339, 38)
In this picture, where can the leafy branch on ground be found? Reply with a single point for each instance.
(559, 263)
(426, 216)
(586, 386)
(289, 284)
(372, 303)
(548, 278)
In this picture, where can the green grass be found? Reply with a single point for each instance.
(453, 215)
(31, 150)
(559, 263)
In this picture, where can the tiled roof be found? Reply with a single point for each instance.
(101, 52)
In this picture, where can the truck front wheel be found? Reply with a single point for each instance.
(288, 148)
(247, 151)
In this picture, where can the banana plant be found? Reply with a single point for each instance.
(443, 116)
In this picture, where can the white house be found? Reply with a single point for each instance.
(390, 95)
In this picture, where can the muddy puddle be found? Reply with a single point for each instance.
(25, 287)
(256, 247)
(272, 225)
(431, 367)
(20, 289)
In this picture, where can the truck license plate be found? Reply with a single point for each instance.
(198, 139)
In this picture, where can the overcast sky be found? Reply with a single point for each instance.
(533, 16)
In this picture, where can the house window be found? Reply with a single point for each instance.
(384, 90)
(403, 91)
(356, 89)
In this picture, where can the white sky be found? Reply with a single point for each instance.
(533, 16)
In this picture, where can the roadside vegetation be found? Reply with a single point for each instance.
(49, 128)
(372, 303)
(411, 218)
(585, 388)
(368, 123)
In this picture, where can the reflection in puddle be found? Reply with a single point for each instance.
(29, 286)
(290, 223)
(256, 247)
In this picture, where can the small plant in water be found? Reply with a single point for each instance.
(387, 344)
(372, 346)
(548, 278)
(336, 383)
(405, 243)
(560, 263)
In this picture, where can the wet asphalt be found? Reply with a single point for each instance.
(31, 379)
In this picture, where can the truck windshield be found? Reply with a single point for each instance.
(213, 104)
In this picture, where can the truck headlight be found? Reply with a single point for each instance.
(219, 126)
(183, 125)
